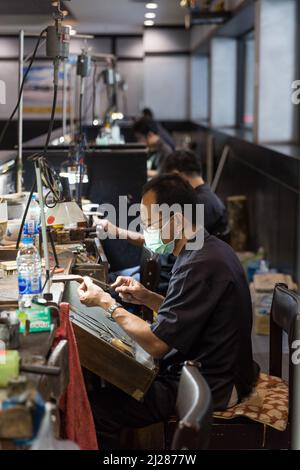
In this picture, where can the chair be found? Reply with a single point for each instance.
(243, 433)
(189, 430)
(194, 409)
(150, 272)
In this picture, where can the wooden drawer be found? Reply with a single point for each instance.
(133, 375)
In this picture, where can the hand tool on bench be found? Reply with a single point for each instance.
(78, 278)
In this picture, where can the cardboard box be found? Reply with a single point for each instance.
(262, 290)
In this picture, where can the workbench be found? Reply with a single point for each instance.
(35, 349)
(99, 350)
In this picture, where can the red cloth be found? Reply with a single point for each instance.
(77, 421)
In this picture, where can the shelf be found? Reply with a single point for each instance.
(208, 18)
(246, 135)
(241, 21)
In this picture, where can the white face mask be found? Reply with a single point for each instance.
(154, 242)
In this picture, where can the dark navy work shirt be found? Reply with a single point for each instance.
(215, 222)
(215, 215)
(207, 317)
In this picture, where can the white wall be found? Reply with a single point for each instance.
(166, 40)
(277, 54)
(199, 103)
(156, 67)
(167, 73)
(223, 82)
(130, 47)
(133, 73)
(166, 87)
(9, 75)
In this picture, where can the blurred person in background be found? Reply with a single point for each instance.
(164, 134)
(146, 132)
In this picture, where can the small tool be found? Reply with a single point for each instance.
(102, 332)
(117, 343)
(80, 279)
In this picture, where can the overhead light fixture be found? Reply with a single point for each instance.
(149, 23)
(73, 32)
(150, 15)
(151, 6)
(117, 116)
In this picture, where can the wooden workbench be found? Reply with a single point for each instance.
(35, 348)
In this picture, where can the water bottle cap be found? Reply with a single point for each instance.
(27, 241)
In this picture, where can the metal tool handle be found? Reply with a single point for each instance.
(79, 278)
(40, 369)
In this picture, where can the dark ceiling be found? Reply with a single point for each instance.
(27, 7)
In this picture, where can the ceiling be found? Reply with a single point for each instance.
(96, 15)
(90, 16)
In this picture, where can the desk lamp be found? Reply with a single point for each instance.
(65, 211)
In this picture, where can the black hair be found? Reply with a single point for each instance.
(172, 189)
(148, 113)
(183, 161)
(145, 125)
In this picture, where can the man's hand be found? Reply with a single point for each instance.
(130, 290)
(93, 296)
(106, 229)
(105, 226)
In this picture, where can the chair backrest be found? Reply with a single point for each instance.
(283, 318)
(194, 409)
(150, 273)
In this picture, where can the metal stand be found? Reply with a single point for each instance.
(65, 97)
(43, 224)
(22, 61)
(210, 159)
(220, 168)
(20, 114)
(296, 397)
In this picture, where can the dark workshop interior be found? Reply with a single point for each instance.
(149, 227)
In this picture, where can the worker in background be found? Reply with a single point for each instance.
(146, 132)
(164, 134)
(186, 165)
(206, 316)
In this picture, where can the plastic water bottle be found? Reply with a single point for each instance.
(263, 267)
(32, 222)
(29, 273)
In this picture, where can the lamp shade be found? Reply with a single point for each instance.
(65, 213)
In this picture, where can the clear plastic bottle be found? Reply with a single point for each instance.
(32, 222)
(29, 273)
(263, 267)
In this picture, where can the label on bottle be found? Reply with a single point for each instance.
(23, 283)
(31, 227)
(30, 285)
(36, 284)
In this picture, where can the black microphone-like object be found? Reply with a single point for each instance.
(58, 45)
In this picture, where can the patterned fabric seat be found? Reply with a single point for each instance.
(267, 404)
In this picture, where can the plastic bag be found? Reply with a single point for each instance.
(45, 439)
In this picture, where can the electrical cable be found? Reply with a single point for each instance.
(51, 123)
(94, 92)
(2, 135)
(80, 112)
(48, 175)
(25, 214)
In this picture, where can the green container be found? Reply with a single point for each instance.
(9, 366)
(39, 317)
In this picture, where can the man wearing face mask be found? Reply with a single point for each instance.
(206, 315)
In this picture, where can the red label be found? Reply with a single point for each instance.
(50, 219)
